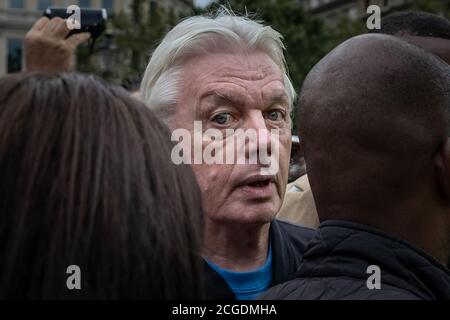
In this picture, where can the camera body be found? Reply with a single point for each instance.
(92, 20)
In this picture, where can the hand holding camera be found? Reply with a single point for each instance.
(50, 45)
(47, 47)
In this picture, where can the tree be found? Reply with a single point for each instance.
(128, 42)
(433, 6)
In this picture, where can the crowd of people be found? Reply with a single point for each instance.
(88, 178)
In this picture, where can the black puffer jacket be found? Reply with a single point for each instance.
(335, 267)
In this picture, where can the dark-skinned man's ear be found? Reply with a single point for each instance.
(442, 165)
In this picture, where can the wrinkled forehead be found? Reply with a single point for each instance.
(240, 74)
(437, 46)
(247, 66)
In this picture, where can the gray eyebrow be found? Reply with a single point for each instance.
(282, 99)
(232, 100)
(229, 99)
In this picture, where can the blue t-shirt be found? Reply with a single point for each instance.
(250, 284)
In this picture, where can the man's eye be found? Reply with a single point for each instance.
(222, 118)
(275, 115)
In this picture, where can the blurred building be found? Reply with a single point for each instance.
(331, 10)
(17, 17)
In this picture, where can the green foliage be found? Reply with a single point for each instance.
(344, 29)
(432, 6)
(128, 42)
(134, 39)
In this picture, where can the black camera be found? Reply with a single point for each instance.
(91, 20)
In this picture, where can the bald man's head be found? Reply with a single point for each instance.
(373, 113)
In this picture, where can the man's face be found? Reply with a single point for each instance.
(437, 46)
(237, 91)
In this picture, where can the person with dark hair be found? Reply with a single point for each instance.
(426, 30)
(416, 23)
(87, 181)
(377, 148)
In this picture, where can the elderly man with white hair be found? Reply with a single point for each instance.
(222, 73)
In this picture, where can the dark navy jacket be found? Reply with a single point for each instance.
(335, 267)
(288, 242)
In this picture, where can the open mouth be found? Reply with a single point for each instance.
(258, 187)
(260, 183)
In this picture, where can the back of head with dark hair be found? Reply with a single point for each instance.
(87, 180)
(415, 23)
(368, 140)
(374, 121)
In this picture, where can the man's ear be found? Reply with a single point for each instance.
(442, 165)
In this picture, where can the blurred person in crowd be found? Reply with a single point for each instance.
(298, 205)
(377, 149)
(87, 181)
(297, 166)
(428, 31)
(228, 72)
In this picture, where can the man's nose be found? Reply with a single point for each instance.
(256, 121)
(262, 144)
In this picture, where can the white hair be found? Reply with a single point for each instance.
(198, 35)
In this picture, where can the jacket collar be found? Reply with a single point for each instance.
(285, 260)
